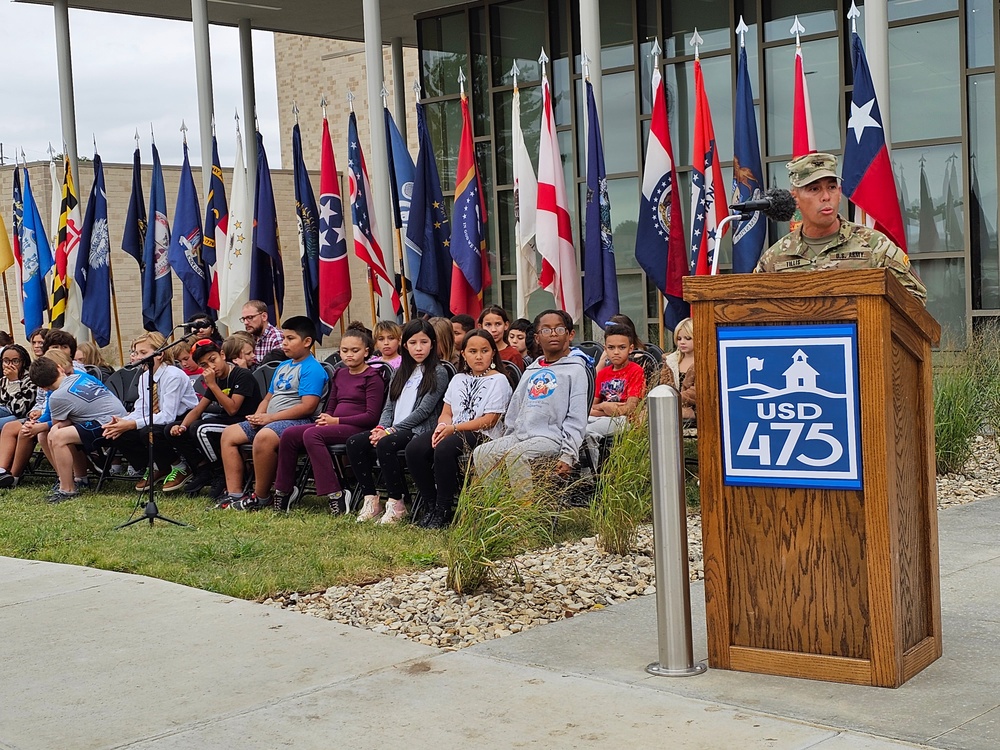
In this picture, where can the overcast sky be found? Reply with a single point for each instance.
(127, 73)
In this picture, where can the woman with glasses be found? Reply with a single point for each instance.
(17, 392)
(547, 416)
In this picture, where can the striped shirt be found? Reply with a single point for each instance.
(270, 339)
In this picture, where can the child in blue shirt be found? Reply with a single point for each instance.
(292, 399)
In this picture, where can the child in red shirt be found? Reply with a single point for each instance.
(619, 388)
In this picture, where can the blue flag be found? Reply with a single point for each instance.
(748, 177)
(184, 253)
(267, 274)
(157, 286)
(401, 174)
(134, 234)
(428, 231)
(600, 281)
(93, 266)
(307, 214)
(216, 226)
(36, 262)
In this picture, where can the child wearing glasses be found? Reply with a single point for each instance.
(17, 392)
(547, 416)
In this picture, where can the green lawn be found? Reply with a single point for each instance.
(247, 555)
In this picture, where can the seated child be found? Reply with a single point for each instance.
(171, 397)
(461, 324)
(230, 395)
(474, 404)
(619, 388)
(17, 392)
(522, 337)
(386, 335)
(89, 353)
(80, 406)
(181, 356)
(495, 320)
(414, 402)
(293, 399)
(239, 350)
(678, 368)
(547, 416)
(357, 395)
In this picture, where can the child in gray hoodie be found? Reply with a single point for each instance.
(547, 416)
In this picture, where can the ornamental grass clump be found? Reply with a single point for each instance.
(624, 489)
(493, 523)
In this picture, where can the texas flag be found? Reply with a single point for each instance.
(867, 174)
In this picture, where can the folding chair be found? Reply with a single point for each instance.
(124, 383)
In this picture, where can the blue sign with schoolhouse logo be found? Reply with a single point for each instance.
(789, 403)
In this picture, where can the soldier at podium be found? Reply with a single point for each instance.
(826, 240)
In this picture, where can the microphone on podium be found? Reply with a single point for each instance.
(777, 203)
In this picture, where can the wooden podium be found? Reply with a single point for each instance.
(828, 584)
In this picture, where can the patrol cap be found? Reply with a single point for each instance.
(811, 167)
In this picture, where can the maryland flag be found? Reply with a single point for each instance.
(67, 302)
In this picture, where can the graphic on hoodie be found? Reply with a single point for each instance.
(541, 384)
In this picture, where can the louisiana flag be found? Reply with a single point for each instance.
(748, 176)
(600, 284)
(184, 253)
(93, 270)
(471, 273)
(157, 286)
(334, 274)
(67, 304)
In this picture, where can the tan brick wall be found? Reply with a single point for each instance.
(118, 183)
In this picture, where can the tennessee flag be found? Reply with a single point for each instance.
(471, 272)
(334, 274)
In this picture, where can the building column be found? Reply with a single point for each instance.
(398, 85)
(67, 104)
(877, 52)
(378, 172)
(206, 100)
(249, 104)
(590, 43)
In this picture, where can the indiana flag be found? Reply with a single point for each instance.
(660, 245)
(471, 273)
(216, 225)
(267, 273)
(157, 286)
(36, 261)
(525, 208)
(134, 234)
(307, 216)
(67, 303)
(867, 174)
(401, 176)
(234, 276)
(184, 252)
(93, 270)
(334, 274)
(366, 245)
(748, 175)
(803, 139)
(600, 284)
(428, 230)
(553, 227)
(707, 212)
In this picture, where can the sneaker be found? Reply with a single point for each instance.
(250, 502)
(7, 481)
(131, 472)
(60, 496)
(117, 470)
(176, 479)
(395, 511)
(224, 500)
(337, 502)
(82, 483)
(218, 490)
(281, 502)
(371, 509)
(200, 480)
(143, 484)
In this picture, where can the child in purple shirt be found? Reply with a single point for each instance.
(357, 395)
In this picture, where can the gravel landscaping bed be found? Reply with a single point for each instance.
(555, 583)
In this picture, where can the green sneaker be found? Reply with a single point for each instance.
(176, 479)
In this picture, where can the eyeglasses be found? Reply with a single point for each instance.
(11, 361)
(558, 331)
(245, 318)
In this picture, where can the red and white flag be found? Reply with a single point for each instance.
(334, 274)
(553, 227)
(803, 139)
(707, 187)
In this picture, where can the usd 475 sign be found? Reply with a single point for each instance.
(790, 415)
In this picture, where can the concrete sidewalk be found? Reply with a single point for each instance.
(93, 659)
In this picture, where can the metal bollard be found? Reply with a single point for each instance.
(673, 589)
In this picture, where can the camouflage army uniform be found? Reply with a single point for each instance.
(855, 246)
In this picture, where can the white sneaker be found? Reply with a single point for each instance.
(371, 509)
(395, 511)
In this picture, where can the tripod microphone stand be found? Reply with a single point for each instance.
(150, 511)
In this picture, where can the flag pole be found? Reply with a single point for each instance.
(6, 299)
(398, 232)
(114, 305)
(371, 294)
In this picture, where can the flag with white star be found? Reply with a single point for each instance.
(867, 174)
(234, 273)
(334, 275)
(706, 179)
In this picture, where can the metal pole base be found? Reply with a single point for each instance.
(657, 671)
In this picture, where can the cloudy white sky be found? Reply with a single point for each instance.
(128, 72)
